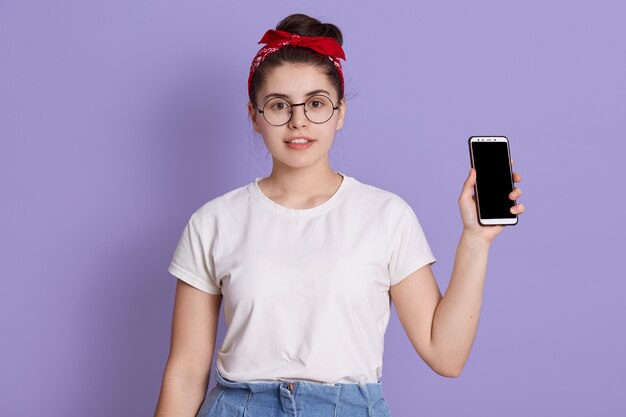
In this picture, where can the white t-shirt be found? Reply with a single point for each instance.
(305, 291)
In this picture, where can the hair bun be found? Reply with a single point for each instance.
(332, 31)
(305, 25)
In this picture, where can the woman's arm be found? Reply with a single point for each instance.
(188, 369)
(442, 329)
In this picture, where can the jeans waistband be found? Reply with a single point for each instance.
(373, 390)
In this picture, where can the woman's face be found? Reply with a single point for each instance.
(296, 81)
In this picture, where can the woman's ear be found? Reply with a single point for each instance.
(342, 113)
(253, 114)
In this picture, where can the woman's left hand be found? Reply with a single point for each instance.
(467, 205)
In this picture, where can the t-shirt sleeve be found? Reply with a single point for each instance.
(193, 259)
(408, 249)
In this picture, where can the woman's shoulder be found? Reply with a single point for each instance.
(224, 203)
(379, 196)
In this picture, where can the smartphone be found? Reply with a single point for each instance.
(491, 158)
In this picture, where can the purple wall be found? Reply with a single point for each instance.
(118, 119)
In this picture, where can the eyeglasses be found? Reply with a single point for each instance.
(318, 109)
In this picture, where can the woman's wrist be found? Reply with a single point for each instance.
(476, 239)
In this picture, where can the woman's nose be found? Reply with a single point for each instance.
(298, 118)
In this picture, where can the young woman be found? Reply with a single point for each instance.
(307, 261)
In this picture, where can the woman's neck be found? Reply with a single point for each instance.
(300, 190)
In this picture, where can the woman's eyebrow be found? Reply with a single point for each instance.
(286, 96)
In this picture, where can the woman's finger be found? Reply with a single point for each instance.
(518, 208)
(468, 185)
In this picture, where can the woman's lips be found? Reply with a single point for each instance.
(299, 146)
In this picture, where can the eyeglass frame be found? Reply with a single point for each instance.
(299, 104)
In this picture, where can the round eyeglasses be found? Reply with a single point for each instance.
(318, 109)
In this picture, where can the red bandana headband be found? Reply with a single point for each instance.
(276, 39)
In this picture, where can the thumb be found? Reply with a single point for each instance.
(468, 185)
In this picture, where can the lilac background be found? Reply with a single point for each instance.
(118, 119)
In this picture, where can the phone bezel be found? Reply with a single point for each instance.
(493, 139)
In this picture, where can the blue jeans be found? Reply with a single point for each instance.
(299, 398)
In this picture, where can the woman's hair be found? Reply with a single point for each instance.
(302, 25)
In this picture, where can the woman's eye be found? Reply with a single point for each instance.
(280, 106)
(316, 104)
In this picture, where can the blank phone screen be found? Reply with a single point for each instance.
(493, 179)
